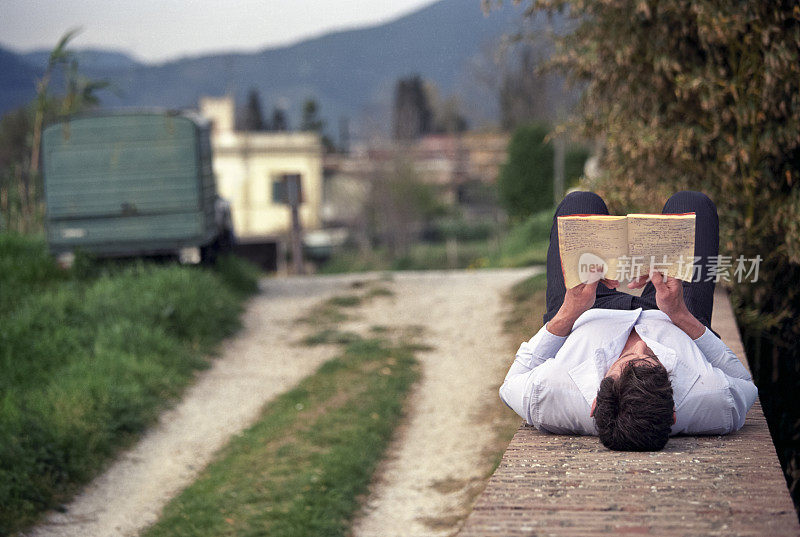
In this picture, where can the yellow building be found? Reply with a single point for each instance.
(251, 170)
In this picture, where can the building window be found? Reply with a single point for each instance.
(280, 188)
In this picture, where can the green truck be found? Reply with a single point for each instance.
(133, 184)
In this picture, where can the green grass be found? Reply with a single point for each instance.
(345, 301)
(305, 465)
(238, 274)
(378, 291)
(421, 256)
(526, 243)
(89, 358)
(301, 469)
(523, 245)
(322, 315)
(330, 335)
(528, 305)
(526, 301)
(331, 312)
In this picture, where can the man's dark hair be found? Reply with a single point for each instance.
(634, 411)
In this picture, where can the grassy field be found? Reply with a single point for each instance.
(522, 245)
(303, 467)
(90, 356)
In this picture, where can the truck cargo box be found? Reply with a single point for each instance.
(129, 184)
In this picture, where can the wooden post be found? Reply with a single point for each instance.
(293, 193)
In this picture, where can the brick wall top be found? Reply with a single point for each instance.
(571, 485)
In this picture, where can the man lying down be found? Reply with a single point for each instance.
(632, 370)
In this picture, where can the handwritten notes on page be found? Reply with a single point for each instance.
(601, 235)
(662, 242)
(624, 247)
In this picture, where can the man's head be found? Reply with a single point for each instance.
(634, 409)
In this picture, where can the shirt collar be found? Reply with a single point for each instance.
(588, 374)
(587, 378)
(681, 375)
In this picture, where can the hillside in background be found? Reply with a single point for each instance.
(351, 73)
(17, 82)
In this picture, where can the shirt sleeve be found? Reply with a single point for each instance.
(718, 404)
(721, 356)
(727, 390)
(516, 388)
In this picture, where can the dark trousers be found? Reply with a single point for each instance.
(698, 295)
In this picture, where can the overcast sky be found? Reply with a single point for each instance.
(159, 30)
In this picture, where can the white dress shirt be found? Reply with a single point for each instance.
(554, 380)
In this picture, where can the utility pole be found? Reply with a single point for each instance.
(344, 135)
(293, 193)
(558, 169)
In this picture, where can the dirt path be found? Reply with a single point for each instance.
(435, 460)
(261, 362)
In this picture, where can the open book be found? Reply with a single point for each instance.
(625, 247)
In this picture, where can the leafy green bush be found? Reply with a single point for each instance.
(25, 265)
(526, 179)
(574, 161)
(238, 274)
(88, 363)
(459, 229)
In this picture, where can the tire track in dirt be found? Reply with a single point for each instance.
(438, 461)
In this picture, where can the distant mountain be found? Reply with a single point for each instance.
(88, 59)
(351, 73)
(17, 81)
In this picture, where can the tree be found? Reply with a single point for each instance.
(80, 91)
(523, 91)
(525, 183)
(252, 119)
(20, 180)
(705, 95)
(446, 116)
(400, 205)
(311, 121)
(278, 121)
(412, 115)
(15, 153)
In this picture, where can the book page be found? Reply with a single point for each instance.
(662, 242)
(590, 246)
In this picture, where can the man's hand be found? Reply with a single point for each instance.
(576, 301)
(669, 299)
